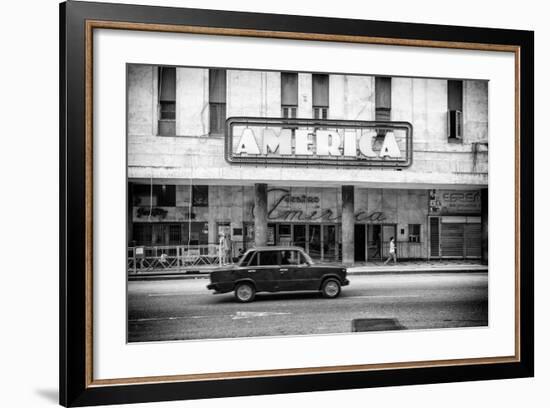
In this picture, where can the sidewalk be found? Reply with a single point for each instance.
(418, 267)
(375, 267)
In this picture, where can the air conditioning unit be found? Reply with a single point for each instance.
(454, 125)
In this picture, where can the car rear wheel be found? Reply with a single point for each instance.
(245, 292)
(331, 288)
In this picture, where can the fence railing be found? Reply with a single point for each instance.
(144, 259)
(185, 257)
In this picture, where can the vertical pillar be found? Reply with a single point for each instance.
(260, 214)
(214, 205)
(485, 225)
(348, 225)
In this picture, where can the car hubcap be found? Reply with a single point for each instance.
(244, 292)
(331, 288)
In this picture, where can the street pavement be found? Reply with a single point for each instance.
(163, 310)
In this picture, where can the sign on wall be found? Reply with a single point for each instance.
(453, 202)
(285, 205)
(318, 142)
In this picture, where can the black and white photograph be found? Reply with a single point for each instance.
(283, 203)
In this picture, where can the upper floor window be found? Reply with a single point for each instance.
(320, 96)
(382, 88)
(167, 101)
(454, 114)
(289, 94)
(382, 100)
(217, 99)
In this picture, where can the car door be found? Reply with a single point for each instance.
(293, 271)
(263, 270)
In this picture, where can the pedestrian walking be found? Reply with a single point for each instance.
(391, 255)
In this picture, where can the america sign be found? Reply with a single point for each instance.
(318, 142)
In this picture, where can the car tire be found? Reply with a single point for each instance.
(245, 292)
(330, 288)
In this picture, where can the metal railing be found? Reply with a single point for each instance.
(404, 250)
(170, 257)
(195, 257)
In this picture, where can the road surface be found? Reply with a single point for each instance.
(184, 309)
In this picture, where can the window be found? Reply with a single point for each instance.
(143, 234)
(166, 195)
(167, 101)
(320, 96)
(454, 115)
(158, 196)
(414, 232)
(382, 100)
(199, 196)
(246, 259)
(289, 94)
(290, 258)
(217, 99)
(382, 88)
(174, 234)
(268, 258)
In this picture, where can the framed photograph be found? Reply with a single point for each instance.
(258, 204)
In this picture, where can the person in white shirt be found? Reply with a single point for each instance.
(222, 249)
(391, 255)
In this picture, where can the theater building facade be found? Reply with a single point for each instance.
(337, 164)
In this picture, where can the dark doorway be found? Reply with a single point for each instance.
(375, 241)
(359, 243)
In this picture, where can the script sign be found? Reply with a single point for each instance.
(318, 142)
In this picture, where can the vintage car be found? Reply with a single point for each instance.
(278, 269)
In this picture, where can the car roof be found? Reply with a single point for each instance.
(277, 248)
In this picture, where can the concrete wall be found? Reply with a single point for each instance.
(142, 95)
(305, 96)
(192, 115)
(192, 154)
(351, 97)
(253, 93)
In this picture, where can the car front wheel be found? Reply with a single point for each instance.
(331, 288)
(245, 292)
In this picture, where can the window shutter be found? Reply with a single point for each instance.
(320, 90)
(382, 88)
(217, 81)
(434, 237)
(289, 88)
(454, 95)
(167, 84)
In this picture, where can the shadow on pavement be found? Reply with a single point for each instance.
(265, 297)
(365, 325)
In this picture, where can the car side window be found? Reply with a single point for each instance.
(289, 258)
(303, 260)
(268, 258)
